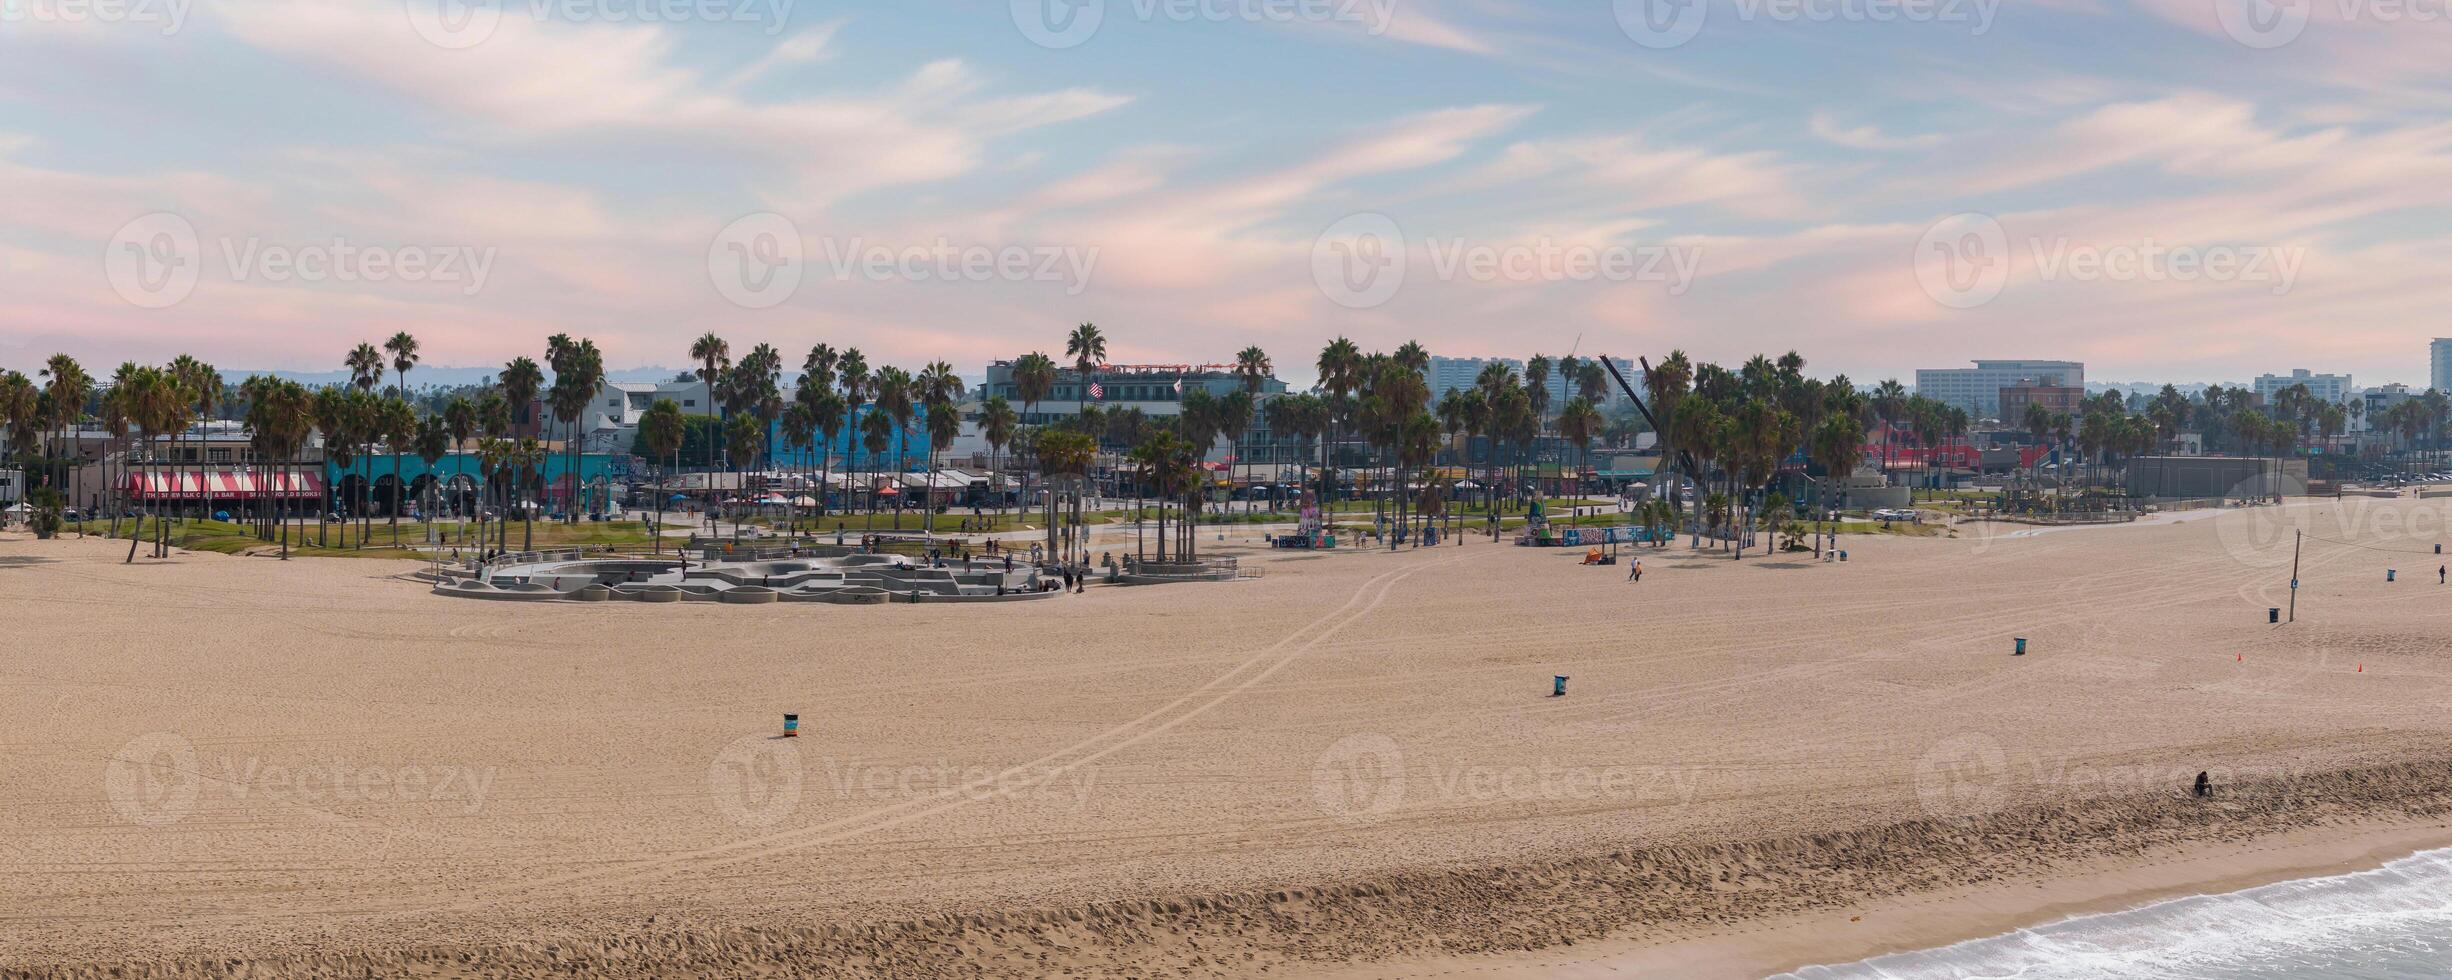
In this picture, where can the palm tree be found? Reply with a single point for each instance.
(1889, 404)
(938, 387)
(1157, 457)
(67, 389)
(1066, 453)
(155, 405)
(403, 349)
(852, 373)
(1034, 381)
(397, 423)
(799, 429)
(1088, 349)
(578, 373)
(1580, 422)
(1340, 369)
(817, 377)
(897, 398)
(527, 461)
(203, 387)
(826, 412)
(997, 423)
(433, 442)
(876, 435)
(661, 429)
(1253, 369)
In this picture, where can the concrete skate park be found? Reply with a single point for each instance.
(821, 574)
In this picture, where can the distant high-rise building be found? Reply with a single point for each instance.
(1459, 373)
(2439, 364)
(1978, 389)
(2334, 388)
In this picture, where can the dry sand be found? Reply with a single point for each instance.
(220, 765)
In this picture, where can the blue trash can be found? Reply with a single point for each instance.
(2021, 647)
(1558, 686)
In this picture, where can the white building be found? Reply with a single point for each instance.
(1978, 389)
(2380, 400)
(612, 420)
(2333, 388)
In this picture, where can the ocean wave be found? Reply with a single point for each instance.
(2391, 923)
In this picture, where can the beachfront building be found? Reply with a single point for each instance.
(451, 486)
(211, 466)
(2057, 399)
(2439, 364)
(1978, 389)
(2331, 388)
(2380, 399)
(611, 422)
(1156, 390)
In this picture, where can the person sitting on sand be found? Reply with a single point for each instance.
(2205, 785)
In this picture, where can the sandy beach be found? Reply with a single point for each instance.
(1348, 767)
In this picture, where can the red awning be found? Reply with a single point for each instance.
(241, 485)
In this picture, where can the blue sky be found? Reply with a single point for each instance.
(1878, 185)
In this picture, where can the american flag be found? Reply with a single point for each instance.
(1097, 390)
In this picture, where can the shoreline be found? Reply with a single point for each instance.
(1933, 920)
(1704, 910)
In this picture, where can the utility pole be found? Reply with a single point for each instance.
(2295, 539)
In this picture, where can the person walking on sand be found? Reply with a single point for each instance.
(1636, 574)
(2205, 785)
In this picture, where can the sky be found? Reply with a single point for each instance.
(2181, 190)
